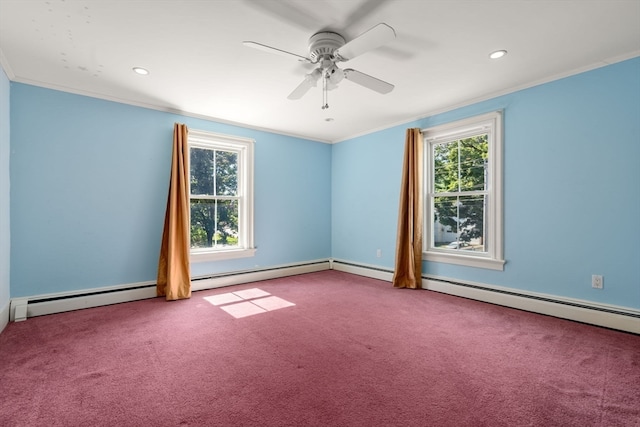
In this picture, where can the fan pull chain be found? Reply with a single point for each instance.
(325, 93)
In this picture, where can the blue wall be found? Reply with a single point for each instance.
(571, 189)
(5, 230)
(89, 180)
(89, 185)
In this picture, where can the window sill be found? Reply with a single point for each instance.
(221, 255)
(466, 260)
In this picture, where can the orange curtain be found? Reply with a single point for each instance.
(174, 279)
(408, 271)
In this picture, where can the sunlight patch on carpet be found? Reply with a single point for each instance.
(248, 302)
(223, 298)
(272, 303)
(251, 293)
(243, 309)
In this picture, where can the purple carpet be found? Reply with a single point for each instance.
(321, 349)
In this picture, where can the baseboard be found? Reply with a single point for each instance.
(366, 270)
(608, 316)
(39, 305)
(247, 276)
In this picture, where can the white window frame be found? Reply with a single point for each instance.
(493, 257)
(245, 149)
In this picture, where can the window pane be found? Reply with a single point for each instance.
(201, 171)
(458, 223)
(473, 157)
(226, 173)
(445, 167)
(471, 224)
(445, 223)
(460, 165)
(214, 223)
(227, 228)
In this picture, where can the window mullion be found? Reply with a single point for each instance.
(215, 173)
(459, 168)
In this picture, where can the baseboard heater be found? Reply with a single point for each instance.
(609, 316)
(38, 300)
(39, 305)
(210, 281)
(540, 298)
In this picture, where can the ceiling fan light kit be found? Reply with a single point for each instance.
(326, 49)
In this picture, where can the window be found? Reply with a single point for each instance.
(221, 196)
(463, 182)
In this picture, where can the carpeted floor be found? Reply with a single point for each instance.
(321, 349)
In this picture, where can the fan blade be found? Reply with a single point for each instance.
(275, 50)
(309, 81)
(289, 12)
(367, 81)
(369, 40)
(360, 13)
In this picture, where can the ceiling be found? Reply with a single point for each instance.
(198, 65)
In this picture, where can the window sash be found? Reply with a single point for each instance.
(219, 230)
(478, 243)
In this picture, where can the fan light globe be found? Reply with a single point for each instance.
(335, 75)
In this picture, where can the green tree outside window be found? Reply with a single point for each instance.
(214, 198)
(460, 180)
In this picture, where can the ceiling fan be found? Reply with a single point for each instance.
(326, 50)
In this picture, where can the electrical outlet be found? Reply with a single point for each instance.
(597, 281)
(378, 253)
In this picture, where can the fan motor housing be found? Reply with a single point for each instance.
(324, 43)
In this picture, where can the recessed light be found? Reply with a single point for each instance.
(497, 54)
(141, 71)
